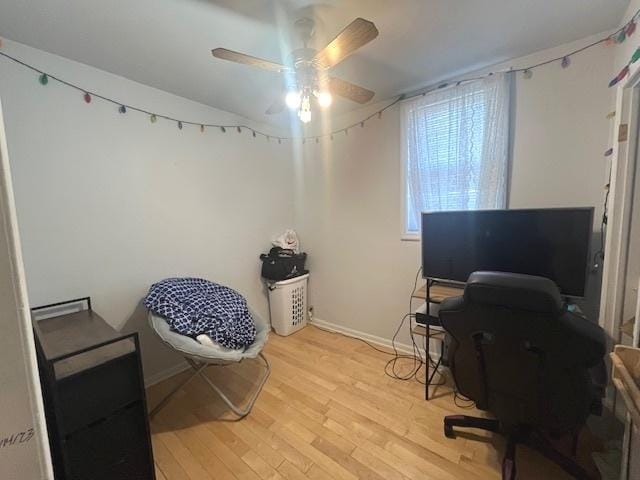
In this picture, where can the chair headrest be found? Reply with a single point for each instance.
(514, 290)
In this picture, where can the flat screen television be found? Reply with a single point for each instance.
(552, 243)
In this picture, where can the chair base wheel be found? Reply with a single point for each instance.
(523, 435)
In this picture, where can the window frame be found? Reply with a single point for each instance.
(405, 234)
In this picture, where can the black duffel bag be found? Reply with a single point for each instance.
(282, 264)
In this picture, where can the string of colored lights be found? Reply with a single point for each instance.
(619, 36)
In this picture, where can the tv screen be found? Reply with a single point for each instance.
(552, 243)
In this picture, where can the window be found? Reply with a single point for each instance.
(455, 149)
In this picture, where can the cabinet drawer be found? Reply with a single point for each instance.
(97, 393)
(116, 448)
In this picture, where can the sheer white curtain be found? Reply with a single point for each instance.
(456, 147)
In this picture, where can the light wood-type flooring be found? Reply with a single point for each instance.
(327, 412)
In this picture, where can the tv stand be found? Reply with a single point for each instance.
(428, 325)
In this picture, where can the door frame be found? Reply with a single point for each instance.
(623, 169)
(624, 166)
(41, 452)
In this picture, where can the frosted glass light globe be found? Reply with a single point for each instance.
(305, 116)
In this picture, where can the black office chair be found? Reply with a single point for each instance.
(517, 353)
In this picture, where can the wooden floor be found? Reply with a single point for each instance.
(327, 412)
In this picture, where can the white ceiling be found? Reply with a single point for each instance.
(167, 43)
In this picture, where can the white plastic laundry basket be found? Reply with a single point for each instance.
(288, 304)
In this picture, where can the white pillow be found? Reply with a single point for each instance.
(206, 340)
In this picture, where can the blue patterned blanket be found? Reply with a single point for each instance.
(193, 306)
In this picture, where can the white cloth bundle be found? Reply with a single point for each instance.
(288, 240)
(206, 340)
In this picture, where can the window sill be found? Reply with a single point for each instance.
(410, 237)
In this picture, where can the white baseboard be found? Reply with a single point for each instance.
(383, 342)
(164, 374)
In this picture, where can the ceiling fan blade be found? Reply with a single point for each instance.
(349, 90)
(238, 57)
(276, 107)
(355, 35)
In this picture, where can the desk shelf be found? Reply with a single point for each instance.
(438, 293)
(422, 331)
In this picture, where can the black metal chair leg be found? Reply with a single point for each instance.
(465, 421)
(509, 460)
(569, 465)
(524, 436)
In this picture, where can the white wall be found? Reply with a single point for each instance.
(348, 208)
(109, 203)
(560, 135)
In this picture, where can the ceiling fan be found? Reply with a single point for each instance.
(308, 68)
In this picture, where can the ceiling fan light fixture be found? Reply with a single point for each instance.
(293, 99)
(305, 109)
(308, 68)
(324, 99)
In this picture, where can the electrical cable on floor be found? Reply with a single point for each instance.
(392, 367)
(418, 362)
(458, 397)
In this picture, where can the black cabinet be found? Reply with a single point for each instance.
(94, 397)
